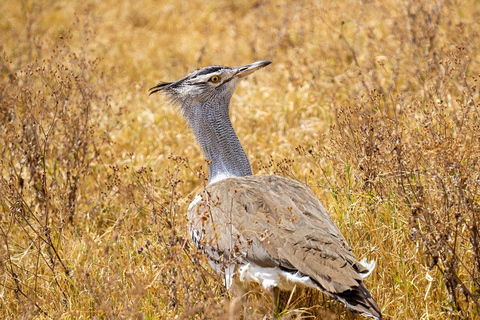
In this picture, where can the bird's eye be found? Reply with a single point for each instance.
(214, 79)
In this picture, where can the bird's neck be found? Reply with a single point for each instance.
(220, 144)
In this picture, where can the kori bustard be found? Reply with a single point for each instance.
(261, 228)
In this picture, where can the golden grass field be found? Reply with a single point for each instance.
(373, 104)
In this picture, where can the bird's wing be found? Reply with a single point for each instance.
(273, 221)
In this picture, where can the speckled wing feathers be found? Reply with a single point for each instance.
(273, 221)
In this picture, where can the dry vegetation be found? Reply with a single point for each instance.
(374, 104)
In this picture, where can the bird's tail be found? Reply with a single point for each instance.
(361, 301)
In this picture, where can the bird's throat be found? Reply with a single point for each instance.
(220, 144)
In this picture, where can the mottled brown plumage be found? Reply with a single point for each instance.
(275, 222)
(265, 229)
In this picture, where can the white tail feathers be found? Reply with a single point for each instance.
(368, 265)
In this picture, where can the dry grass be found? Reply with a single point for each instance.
(377, 102)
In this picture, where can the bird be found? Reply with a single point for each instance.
(267, 229)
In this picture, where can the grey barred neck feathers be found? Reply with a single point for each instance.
(204, 99)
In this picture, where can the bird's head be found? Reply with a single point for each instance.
(206, 87)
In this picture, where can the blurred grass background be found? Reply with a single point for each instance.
(374, 104)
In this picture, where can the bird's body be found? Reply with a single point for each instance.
(260, 228)
(274, 231)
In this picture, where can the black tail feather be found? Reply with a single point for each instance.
(361, 301)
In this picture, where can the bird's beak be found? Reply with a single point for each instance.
(244, 71)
